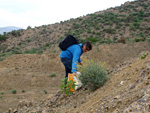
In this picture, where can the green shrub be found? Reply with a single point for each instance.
(2, 37)
(1, 59)
(143, 56)
(23, 91)
(67, 85)
(14, 91)
(92, 39)
(148, 39)
(53, 74)
(2, 93)
(93, 75)
(137, 40)
(14, 33)
(45, 91)
(29, 27)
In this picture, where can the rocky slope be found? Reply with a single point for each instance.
(127, 88)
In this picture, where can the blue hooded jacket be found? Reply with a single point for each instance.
(73, 52)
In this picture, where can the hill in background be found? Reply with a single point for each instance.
(8, 29)
(130, 22)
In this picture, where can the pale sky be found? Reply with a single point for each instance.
(24, 13)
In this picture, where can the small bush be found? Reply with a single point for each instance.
(14, 91)
(67, 85)
(137, 40)
(1, 59)
(93, 74)
(45, 91)
(143, 56)
(23, 91)
(148, 39)
(53, 74)
(2, 38)
(2, 93)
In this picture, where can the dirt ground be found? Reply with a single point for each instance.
(30, 75)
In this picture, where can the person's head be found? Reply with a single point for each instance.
(87, 46)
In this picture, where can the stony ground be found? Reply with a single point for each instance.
(127, 90)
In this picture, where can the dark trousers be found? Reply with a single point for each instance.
(68, 65)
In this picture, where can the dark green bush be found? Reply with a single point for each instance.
(14, 91)
(2, 37)
(45, 91)
(137, 40)
(23, 91)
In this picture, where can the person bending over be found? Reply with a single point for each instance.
(71, 56)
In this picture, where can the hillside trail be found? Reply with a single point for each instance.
(30, 76)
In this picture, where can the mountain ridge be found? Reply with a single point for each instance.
(8, 29)
(130, 22)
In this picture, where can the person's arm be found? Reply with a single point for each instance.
(76, 56)
(79, 60)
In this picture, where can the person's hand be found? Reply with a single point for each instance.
(80, 63)
(74, 74)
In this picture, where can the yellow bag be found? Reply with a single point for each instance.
(76, 80)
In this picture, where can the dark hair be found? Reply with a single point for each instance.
(88, 44)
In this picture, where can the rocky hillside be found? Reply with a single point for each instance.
(130, 21)
(127, 90)
(30, 75)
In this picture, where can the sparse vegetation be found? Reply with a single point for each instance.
(91, 27)
(33, 51)
(2, 38)
(2, 93)
(148, 39)
(137, 40)
(53, 74)
(143, 56)
(45, 91)
(14, 91)
(92, 39)
(29, 27)
(23, 91)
